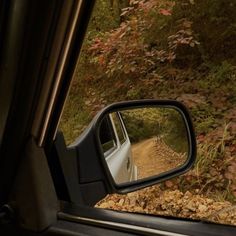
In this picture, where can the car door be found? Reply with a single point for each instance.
(119, 159)
(113, 149)
(129, 166)
(40, 42)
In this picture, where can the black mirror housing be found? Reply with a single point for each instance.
(87, 162)
(92, 167)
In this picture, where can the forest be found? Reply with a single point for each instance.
(166, 49)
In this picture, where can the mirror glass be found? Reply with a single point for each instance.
(143, 142)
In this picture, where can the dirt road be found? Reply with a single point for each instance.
(153, 157)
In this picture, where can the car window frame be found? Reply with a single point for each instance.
(121, 126)
(113, 139)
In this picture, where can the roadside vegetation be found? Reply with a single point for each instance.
(164, 124)
(173, 49)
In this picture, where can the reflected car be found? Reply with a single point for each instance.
(116, 147)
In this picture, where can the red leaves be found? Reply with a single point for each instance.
(101, 60)
(125, 51)
(165, 12)
(192, 100)
(184, 36)
(96, 44)
(230, 174)
(133, 2)
(128, 50)
(169, 184)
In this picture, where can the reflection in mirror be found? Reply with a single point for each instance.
(143, 142)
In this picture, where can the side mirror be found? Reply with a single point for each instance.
(135, 144)
(143, 143)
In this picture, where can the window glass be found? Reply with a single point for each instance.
(119, 128)
(107, 136)
(166, 49)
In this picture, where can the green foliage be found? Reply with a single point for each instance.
(204, 118)
(142, 123)
(134, 93)
(214, 22)
(103, 19)
(174, 132)
(223, 73)
(165, 123)
(211, 165)
(75, 118)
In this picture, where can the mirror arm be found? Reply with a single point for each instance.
(93, 183)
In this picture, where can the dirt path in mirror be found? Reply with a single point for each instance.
(153, 157)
